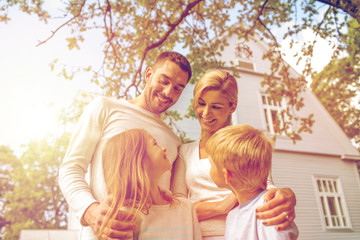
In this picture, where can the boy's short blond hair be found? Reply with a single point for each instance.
(245, 151)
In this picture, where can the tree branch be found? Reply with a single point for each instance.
(350, 7)
(64, 24)
(166, 35)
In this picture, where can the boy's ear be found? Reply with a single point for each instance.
(227, 176)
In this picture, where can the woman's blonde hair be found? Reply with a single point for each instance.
(216, 80)
(245, 151)
(125, 167)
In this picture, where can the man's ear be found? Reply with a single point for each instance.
(148, 74)
(227, 176)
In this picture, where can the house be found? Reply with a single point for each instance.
(321, 168)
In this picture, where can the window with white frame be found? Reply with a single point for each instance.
(244, 56)
(332, 203)
(271, 110)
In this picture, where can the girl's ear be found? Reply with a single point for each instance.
(148, 74)
(227, 176)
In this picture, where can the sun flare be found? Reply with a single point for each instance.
(38, 121)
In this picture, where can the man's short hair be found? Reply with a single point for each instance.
(245, 151)
(176, 58)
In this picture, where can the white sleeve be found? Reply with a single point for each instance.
(78, 156)
(270, 232)
(178, 183)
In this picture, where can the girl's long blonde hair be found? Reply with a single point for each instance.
(125, 165)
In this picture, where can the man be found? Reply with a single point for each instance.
(105, 117)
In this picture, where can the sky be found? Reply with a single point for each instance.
(30, 93)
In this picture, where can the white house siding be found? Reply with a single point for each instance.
(189, 125)
(296, 170)
(49, 235)
(248, 110)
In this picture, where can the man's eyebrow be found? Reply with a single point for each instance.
(181, 85)
(167, 77)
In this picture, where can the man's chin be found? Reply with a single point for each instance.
(159, 110)
(163, 107)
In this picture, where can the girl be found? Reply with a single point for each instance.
(133, 163)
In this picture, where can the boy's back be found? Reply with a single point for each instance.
(241, 223)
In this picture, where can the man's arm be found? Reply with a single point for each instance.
(95, 215)
(76, 190)
(77, 159)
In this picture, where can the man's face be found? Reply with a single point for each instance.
(164, 85)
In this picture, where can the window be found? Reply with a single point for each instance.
(271, 109)
(244, 52)
(332, 203)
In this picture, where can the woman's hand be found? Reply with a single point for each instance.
(205, 210)
(279, 208)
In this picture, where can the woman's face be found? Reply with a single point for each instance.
(213, 110)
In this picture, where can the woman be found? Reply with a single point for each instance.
(215, 99)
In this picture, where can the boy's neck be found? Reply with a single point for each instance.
(244, 195)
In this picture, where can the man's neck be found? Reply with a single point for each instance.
(140, 102)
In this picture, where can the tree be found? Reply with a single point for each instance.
(136, 31)
(30, 197)
(34, 200)
(337, 86)
(8, 163)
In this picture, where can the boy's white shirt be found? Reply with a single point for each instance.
(242, 223)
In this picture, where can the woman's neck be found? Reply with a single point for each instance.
(202, 144)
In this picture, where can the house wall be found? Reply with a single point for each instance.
(296, 170)
(189, 125)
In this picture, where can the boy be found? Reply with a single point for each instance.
(240, 159)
